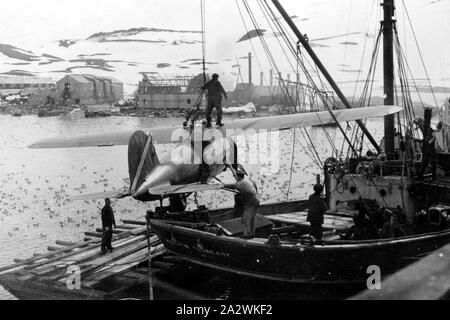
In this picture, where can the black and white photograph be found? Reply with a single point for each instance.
(234, 152)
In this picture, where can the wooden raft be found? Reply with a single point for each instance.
(46, 276)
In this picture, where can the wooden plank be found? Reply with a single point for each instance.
(132, 247)
(126, 227)
(40, 290)
(110, 258)
(80, 257)
(53, 248)
(121, 266)
(50, 255)
(140, 223)
(299, 218)
(67, 252)
(139, 231)
(65, 243)
(427, 279)
(114, 231)
(54, 270)
(94, 234)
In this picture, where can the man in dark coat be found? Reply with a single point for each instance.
(108, 222)
(316, 211)
(429, 153)
(214, 94)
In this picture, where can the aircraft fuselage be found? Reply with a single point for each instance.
(183, 165)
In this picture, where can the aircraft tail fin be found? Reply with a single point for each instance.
(142, 158)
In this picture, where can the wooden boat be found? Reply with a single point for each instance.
(283, 251)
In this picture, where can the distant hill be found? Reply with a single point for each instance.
(127, 53)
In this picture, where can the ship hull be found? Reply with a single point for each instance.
(333, 262)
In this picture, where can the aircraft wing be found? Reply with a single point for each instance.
(186, 188)
(175, 134)
(116, 194)
(160, 135)
(309, 119)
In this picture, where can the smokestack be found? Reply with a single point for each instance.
(249, 67)
(261, 82)
(289, 77)
(271, 77)
(279, 79)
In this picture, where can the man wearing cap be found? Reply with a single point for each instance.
(214, 93)
(108, 222)
(250, 201)
(316, 211)
(429, 155)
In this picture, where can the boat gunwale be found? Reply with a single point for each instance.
(347, 244)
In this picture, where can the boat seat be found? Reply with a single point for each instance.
(331, 222)
(234, 227)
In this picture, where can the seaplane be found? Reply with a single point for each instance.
(198, 150)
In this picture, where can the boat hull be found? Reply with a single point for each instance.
(331, 263)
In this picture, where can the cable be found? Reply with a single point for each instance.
(292, 167)
(420, 53)
(203, 25)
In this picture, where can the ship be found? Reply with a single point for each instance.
(394, 180)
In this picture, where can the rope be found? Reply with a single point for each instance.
(420, 52)
(251, 42)
(324, 99)
(292, 167)
(203, 25)
(271, 59)
(347, 34)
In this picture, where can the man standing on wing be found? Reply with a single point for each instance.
(214, 94)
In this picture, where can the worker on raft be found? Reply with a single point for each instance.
(214, 96)
(108, 222)
(316, 210)
(249, 198)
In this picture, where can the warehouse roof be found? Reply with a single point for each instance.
(9, 92)
(77, 77)
(25, 79)
(84, 78)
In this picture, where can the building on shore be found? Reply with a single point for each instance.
(283, 91)
(279, 90)
(17, 83)
(30, 90)
(178, 92)
(89, 89)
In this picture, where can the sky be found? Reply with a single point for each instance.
(34, 23)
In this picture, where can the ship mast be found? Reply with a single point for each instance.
(388, 62)
(322, 69)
